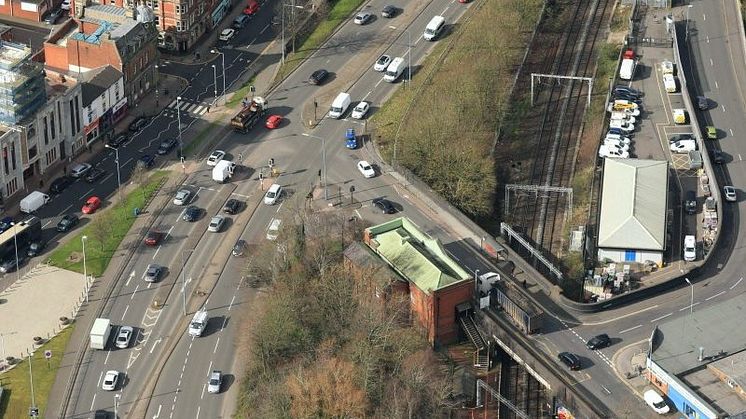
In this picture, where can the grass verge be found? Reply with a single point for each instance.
(201, 136)
(104, 236)
(341, 11)
(239, 94)
(16, 383)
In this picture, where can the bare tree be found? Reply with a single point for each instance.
(101, 227)
(139, 177)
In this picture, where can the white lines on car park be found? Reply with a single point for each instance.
(689, 307)
(661, 317)
(704, 16)
(630, 329)
(740, 279)
(716, 295)
(739, 157)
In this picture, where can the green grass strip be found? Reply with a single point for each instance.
(105, 235)
(16, 398)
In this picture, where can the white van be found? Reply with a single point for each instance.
(394, 70)
(690, 248)
(669, 82)
(432, 30)
(340, 105)
(198, 323)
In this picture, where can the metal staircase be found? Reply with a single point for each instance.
(481, 357)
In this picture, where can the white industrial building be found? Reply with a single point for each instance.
(634, 203)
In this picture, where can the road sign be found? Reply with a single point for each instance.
(47, 354)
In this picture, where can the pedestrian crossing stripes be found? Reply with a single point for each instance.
(186, 107)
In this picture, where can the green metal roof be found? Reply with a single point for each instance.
(415, 255)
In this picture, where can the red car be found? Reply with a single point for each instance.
(91, 205)
(153, 238)
(251, 9)
(273, 121)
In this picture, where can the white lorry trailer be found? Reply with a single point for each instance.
(223, 171)
(100, 333)
(34, 201)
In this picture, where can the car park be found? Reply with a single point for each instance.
(615, 143)
(110, 380)
(273, 121)
(363, 18)
(621, 104)
(690, 248)
(622, 125)
(95, 174)
(146, 160)
(251, 8)
(60, 184)
(318, 76)
(656, 402)
(571, 360)
(226, 35)
(232, 206)
(152, 273)
(599, 341)
(384, 205)
(366, 169)
(138, 124)
(36, 248)
(382, 63)
(730, 194)
(213, 384)
(712, 132)
(67, 223)
(627, 90)
(607, 151)
(682, 146)
(53, 16)
(702, 103)
(273, 194)
(79, 170)
(621, 139)
(623, 116)
(153, 237)
(91, 205)
(123, 337)
(680, 137)
(166, 146)
(389, 11)
(191, 213)
(616, 131)
(216, 224)
(690, 202)
(117, 140)
(239, 248)
(360, 110)
(215, 157)
(182, 197)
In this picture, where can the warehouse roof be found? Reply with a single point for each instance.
(414, 255)
(633, 204)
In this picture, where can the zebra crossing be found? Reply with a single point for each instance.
(187, 107)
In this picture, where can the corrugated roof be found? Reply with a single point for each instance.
(634, 204)
(415, 255)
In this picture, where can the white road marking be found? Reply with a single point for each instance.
(46, 224)
(634, 313)
(379, 82)
(216, 345)
(713, 296)
(231, 304)
(85, 195)
(661, 317)
(712, 63)
(156, 252)
(107, 357)
(225, 320)
(204, 386)
(264, 29)
(135, 291)
(106, 178)
(94, 400)
(125, 311)
(198, 408)
(128, 161)
(716, 85)
(168, 232)
(367, 94)
(66, 209)
(631, 328)
(688, 307)
(158, 413)
(132, 275)
(152, 348)
(209, 369)
(739, 156)
(704, 17)
(707, 38)
(723, 106)
(737, 282)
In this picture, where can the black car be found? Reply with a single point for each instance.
(318, 76)
(10, 264)
(570, 359)
(627, 97)
(690, 202)
(718, 157)
(138, 124)
(627, 91)
(389, 11)
(118, 140)
(239, 247)
(60, 184)
(166, 146)
(5, 224)
(232, 206)
(95, 174)
(35, 249)
(146, 160)
(191, 213)
(67, 223)
(52, 17)
(702, 103)
(384, 205)
(600, 341)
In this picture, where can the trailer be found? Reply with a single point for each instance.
(100, 333)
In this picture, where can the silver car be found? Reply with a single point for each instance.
(216, 224)
(152, 273)
(124, 336)
(182, 197)
(213, 385)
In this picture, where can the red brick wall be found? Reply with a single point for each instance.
(13, 8)
(421, 305)
(446, 300)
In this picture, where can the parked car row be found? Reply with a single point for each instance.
(624, 112)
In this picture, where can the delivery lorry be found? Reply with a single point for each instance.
(198, 323)
(100, 333)
(223, 171)
(249, 115)
(34, 201)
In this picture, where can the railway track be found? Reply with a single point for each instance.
(560, 107)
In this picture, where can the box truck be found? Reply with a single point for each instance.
(100, 333)
(34, 201)
(223, 171)
(198, 323)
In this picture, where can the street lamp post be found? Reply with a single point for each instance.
(31, 378)
(323, 161)
(116, 403)
(155, 80)
(85, 270)
(215, 81)
(119, 176)
(178, 120)
(222, 56)
(691, 305)
(409, 52)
